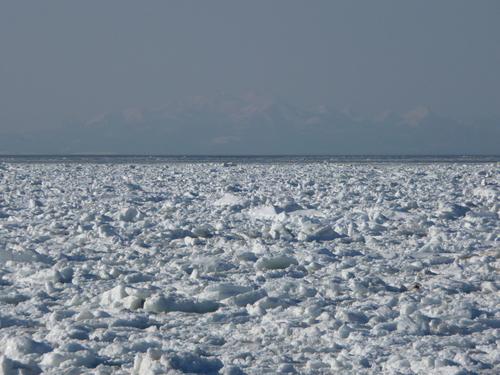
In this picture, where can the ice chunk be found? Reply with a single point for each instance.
(177, 233)
(276, 263)
(211, 264)
(192, 241)
(307, 213)
(325, 233)
(489, 287)
(137, 277)
(139, 293)
(263, 212)
(485, 192)
(84, 315)
(18, 347)
(344, 331)
(46, 275)
(6, 365)
(131, 215)
(106, 230)
(89, 216)
(247, 256)
(113, 295)
(132, 302)
(25, 255)
(161, 303)
(132, 186)
(34, 203)
(272, 303)
(202, 231)
(193, 363)
(416, 325)
(248, 298)
(155, 362)
(84, 358)
(225, 290)
(317, 365)
(482, 214)
(231, 200)
(451, 211)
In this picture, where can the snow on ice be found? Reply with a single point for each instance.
(206, 268)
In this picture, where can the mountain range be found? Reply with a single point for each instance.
(257, 124)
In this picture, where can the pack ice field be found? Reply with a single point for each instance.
(311, 268)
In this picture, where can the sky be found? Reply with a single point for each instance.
(75, 59)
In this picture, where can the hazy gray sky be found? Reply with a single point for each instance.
(68, 58)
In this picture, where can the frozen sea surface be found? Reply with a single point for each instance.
(249, 267)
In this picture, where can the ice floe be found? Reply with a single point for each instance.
(310, 268)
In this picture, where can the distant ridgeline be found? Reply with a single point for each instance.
(258, 125)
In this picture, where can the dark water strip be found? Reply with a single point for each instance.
(123, 159)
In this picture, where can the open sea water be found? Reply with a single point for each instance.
(123, 159)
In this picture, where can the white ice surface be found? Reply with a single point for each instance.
(292, 268)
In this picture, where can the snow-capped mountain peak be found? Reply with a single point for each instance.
(415, 116)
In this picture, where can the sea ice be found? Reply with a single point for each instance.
(310, 268)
